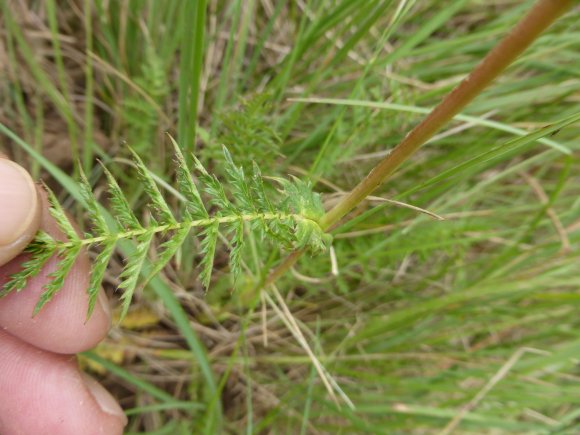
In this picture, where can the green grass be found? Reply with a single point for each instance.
(422, 315)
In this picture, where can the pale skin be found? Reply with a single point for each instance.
(43, 390)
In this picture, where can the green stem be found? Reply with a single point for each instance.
(542, 15)
(114, 237)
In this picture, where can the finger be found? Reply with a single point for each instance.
(44, 393)
(19, 210)
(61, 326)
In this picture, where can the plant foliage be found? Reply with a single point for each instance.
(292, 222)
(247, 131)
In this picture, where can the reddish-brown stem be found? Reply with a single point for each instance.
(283, 267)
(526, 31)
(544, 13)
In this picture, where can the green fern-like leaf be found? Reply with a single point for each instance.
(168, 250)
(40, 250)
(60, 216)
(208, 245)
(248, 133)
(259, 192)
(130, 275)
(237, 229)
(214, 189)
(97, 273)
(158, 203)
(212, 211)
(119, 204)
(194, 207)
(56, 278)
(239, 186)
(95, 216)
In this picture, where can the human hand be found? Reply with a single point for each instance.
(43, 390)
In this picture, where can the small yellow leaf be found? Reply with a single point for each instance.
(139, 318)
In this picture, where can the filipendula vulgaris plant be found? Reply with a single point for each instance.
(291, 222)
(297, 222)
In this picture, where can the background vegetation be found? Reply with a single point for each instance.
(412, 322)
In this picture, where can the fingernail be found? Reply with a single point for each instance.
(18, 201)
(103, 398)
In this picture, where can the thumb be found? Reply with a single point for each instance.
(19, 210)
